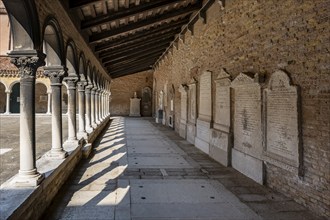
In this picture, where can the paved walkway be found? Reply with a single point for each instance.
(142, 171)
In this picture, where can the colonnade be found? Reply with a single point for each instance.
(93, 102)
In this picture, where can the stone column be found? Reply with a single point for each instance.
(88, 91)
(56, 74)
(27, 64)
(97, 106)
(93, 121)
(72, 134)
(49, 103)
(81, 90)
(103, 105)
(7, 102)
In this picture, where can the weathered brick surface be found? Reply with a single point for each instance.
(123, 88)
(262, 37)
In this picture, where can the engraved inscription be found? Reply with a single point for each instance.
(282, 118)
(247, 117)
(205, 96)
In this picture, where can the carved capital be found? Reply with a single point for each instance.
(81, 86)
(55, 74)
(71, 82)
(27, 65)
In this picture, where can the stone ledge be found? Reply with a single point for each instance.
(31, 202)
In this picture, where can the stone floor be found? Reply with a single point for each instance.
(9, 141)
(140, 170)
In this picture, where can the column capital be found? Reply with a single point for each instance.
(55, 74)
(81, 86)
(71, 81)
(27, 62)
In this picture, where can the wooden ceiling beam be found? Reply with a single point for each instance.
(151, 42)
(126, 13)
(141, 48)
(81, 3)
(128, 62)
(94, 38)
(130, 72)
(132, 66)
(165, 28)
(136, 55)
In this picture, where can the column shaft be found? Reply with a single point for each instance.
(88, 110)
(27, 67)
(81, 90)
(55, 74)
(93, 122)
(49, 103)
(72, 137)
(7, 103)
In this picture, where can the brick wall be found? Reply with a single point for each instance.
(123, 88)
(262, 37)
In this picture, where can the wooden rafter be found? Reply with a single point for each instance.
(163, 29)
(126, 13)
(137, 54)
(143, 23)
(129, 72)
(124, 63)
(143, 48)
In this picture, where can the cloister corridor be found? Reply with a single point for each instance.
(142, 170)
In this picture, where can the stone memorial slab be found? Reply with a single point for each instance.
(220, 146)
(135, 106)
(146, 102)
(192, 109)
(205, 101)
(220, 136)
(183, 117)
(203, 125)
(247, 126)
(281, 120)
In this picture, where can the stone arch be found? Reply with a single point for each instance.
(3, 100)
(64, 98)
(24, 24)
(71, 59)
(10, 87)
(82, 67)
(53, 42)
(89, 75)
(41, 98)
(5, 85)
(14, 97)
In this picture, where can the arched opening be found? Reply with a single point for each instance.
(15, 98)
(41, 98)
(3, 99)
(64, 99)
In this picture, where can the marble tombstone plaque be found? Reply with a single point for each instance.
(220, 134)
(282, 146)
(183, 116)
(146, 101)
(203, 124)
(191, 125)
(135, 106)
(247, 151)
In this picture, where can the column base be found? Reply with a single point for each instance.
(89, 130)
(70, 143)
(94, 126)
(28, 178)
(82, 135)
(56, 154)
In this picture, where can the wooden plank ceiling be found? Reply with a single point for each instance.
(129, 36)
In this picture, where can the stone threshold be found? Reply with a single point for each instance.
(31, 202)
